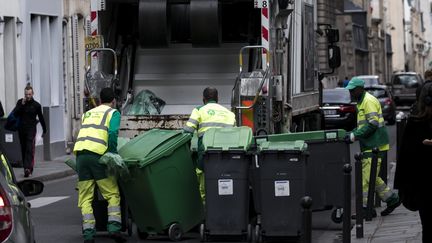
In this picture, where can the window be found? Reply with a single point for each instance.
(45, 51)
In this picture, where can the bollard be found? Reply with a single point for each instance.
(401, 121)
(359, 196)
(306, 203)
(346, 233)
(372, 181)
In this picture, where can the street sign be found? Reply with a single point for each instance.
(92, 42)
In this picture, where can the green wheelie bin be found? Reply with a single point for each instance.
(162, 187)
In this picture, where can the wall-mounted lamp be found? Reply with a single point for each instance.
(2, 25)
(19, 25)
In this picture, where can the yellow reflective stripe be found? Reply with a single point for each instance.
(114, 218)
(371, 114)
(215, 124)
(193, 121)
(88, 217)
(374, 122)
(96, 140)
(101, 127)
(362, 122)
(88, 226)
(114, 209)
(105, 116)
(189, 129)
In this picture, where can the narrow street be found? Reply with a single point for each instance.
(57, 218)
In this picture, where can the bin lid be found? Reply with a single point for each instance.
(322, 135)
(298, 145)
(228, 138)
(153, 145)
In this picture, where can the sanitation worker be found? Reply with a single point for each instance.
(209, 115)
(97, 136)
(371, 132)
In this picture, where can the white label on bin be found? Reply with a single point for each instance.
(9, 138)
(225, 187)
(282, 189)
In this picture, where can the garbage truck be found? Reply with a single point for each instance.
(261, 55)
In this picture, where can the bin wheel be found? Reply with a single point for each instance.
(203, 235)
(249, 235)
(337, 215)
(129, 226)
(142, 235)
(257, 236)
(175, 233)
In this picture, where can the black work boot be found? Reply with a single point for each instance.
(117, 237)
(392, 204)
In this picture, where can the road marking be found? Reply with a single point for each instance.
(43, 201)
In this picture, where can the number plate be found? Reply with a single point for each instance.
(329, 112)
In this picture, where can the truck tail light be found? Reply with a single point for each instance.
(347, 109)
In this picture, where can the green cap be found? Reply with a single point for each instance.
(355, 82)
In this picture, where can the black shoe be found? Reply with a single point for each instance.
(27, 173)
(390, 208)
(89, 241)
(117, 237)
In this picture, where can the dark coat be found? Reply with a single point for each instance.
(414, 160)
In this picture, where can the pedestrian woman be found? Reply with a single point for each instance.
(412, 169)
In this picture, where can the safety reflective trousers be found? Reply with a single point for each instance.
(90, 174)
(381, 188)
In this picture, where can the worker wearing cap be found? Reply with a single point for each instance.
(371, 132)
(210, 115)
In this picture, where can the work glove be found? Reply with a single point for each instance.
(349, 138)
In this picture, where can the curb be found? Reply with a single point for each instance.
(52, 176)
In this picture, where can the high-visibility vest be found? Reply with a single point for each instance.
(93, 135)
(369, 111)
(211, 115)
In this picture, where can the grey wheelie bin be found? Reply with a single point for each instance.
(226, 168)
(162, 187)
(10, 142)
(279, 185)
(328, 153)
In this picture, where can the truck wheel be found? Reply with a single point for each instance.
(203, 235)
(337, 215)
(175, 233)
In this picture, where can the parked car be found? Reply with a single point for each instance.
(338, 109)
(385, 97)
(403, 86)
(15, 217)
(370, 80)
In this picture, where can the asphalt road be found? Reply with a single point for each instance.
(57, 218)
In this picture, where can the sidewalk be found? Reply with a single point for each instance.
(47, 170)
(401, 226)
